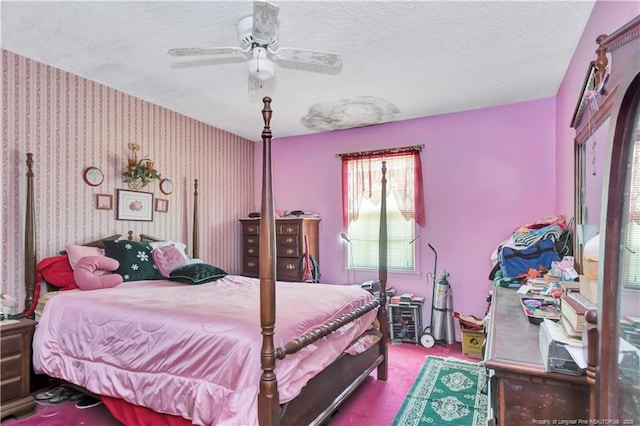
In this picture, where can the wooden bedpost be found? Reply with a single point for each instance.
(29, 239)
(382, 276)
(195, 251)
(268, 398)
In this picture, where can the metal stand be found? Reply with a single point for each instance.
(405, 322)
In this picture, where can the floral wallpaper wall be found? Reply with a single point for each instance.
(70, 123)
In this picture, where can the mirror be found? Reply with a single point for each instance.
(630, 258)
(620, 337)
(591, 121)
(592, 171)
(594, 148)
(629, 318)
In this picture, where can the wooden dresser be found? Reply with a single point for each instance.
(290, 233)
(15, 368)
(521, 391)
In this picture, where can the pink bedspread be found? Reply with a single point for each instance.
(190, 350)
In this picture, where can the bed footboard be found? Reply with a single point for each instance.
(324, 330)
(331, 387)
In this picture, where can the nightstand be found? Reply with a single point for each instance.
(15, 367)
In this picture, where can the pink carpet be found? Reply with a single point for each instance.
(377, 402)
(374, 403)
(64, 414)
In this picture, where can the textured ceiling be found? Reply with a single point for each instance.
(400, 60)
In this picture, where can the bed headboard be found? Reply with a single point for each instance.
(30, 235)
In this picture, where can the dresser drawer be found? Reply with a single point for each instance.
(11, 389)
(10, 367)
(252, 240)
(287, 240)
(251, 266)
(251, 228)
(287, 229)
(251, 251)
(11, 344)
(288, 251)
(287, 269)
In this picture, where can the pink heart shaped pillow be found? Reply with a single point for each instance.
(86, 277)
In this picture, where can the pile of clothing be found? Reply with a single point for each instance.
(549, 233)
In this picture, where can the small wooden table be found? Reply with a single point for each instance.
(521, 391)
(15, 367)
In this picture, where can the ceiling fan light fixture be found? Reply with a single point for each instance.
(260, 66)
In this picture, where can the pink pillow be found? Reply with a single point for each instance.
(78, 252)
(167, 259)
(86, 277)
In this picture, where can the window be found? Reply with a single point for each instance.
(362, 175)
(631, 257)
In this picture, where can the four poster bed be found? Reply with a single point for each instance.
(195, 353)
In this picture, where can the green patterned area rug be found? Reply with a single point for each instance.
(447, 392)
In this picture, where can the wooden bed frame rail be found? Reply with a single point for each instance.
(324, 330)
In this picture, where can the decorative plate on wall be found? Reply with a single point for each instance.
(93, 176)
(166, 186)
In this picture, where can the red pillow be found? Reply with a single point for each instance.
(57, 271)
(86, 277)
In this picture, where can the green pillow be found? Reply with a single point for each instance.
(197, 273)
(135, 260)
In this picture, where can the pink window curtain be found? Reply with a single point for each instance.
(403, 182)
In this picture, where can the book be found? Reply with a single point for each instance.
(537, 282)
(569, 286)
(573, 306)
(568, 328)
(405, 298)
(417, 300)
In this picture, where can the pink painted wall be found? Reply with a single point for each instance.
(606, 17)
(485, 173)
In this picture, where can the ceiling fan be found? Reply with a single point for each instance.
(258, 37)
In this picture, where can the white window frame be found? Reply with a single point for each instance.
(362, 250)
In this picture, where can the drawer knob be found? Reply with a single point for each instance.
(251, 251)
(250, 240)
(251, 264)
(289, 240)
(289, 251)
(289, 230)
(290, 266)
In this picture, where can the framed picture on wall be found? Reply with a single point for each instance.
(162, 206)
(134, 205)
(104, 201)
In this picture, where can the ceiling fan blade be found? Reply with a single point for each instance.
(197, 51)
(265, 21)
(314, 57)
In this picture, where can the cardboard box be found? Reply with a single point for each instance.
(589, 288)
(472, 341)
(590, 268)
